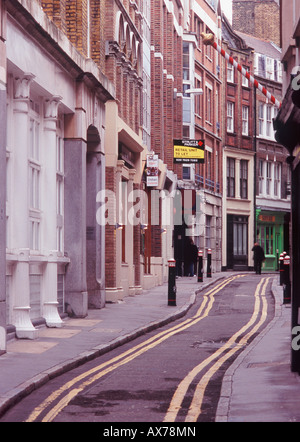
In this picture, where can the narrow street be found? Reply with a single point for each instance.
(171, 375)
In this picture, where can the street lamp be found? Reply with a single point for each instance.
(197, 91)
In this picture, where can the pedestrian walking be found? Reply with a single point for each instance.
(259, 257)
(190, 258)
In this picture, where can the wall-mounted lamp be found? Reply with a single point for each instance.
(162, 231)
(198, 91)
(118, 226)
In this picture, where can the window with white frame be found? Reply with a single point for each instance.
(244, 179)
(261, 111)
(230, 116)
(245, 81)
(269, 178)
(261, 65)
(230, 73)
(230, 177)
(261, 177)
(245, 120)
(34, 163)
(186, 172)
(269, 121)
(209, 104)
(186, 60)
(266, 114)
(270, 68)
(277, 180)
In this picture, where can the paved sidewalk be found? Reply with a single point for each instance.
(29, 364)
(259, 386)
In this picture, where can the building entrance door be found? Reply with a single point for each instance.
(237, 242)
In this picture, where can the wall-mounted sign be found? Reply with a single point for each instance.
(267, 218)
(152, 170)
(189, 151)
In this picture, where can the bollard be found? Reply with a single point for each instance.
(209, 263)
(172, 283)
(281, 269)
(286, 280)
(200, 266)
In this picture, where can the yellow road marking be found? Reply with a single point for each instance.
(195, 408)
(128, 356)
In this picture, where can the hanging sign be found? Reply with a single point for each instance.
(152, 170)
(189, 151)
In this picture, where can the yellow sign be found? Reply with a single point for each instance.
(189, 151)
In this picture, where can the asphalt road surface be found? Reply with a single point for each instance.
(173, 374)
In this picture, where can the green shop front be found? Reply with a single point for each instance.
(273, 235)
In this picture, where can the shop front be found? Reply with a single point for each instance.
(272, 235)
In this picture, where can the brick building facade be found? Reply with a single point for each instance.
(259, 18)
(201, 75)
(272, 175)
(55, 167)
(238, 154)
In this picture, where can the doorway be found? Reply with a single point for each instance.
(237, 242)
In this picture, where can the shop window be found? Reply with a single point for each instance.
(266, 239)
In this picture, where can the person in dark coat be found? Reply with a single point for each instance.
(259, 257)
(191, 257)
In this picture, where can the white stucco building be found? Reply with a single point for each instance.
(55, 109)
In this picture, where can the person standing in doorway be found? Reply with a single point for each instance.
(259, 257)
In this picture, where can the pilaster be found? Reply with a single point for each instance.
(49, 288)
(21, 305)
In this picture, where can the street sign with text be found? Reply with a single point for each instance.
(189, 151)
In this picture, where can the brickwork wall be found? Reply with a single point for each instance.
(240, 96)
(110, 235)
(260, 18)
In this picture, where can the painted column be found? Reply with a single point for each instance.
(49, 285)
(20, 228)
(76, 295)
(94, 233)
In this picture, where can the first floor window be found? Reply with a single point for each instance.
(277, 180)
(231, 177)
(269, 178)
(244, 179)
(269, 121)
(261, 113)
(260, 176)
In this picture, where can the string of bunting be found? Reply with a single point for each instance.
(208, 39)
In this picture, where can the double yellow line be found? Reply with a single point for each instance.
(260, 308)
(69, 390)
